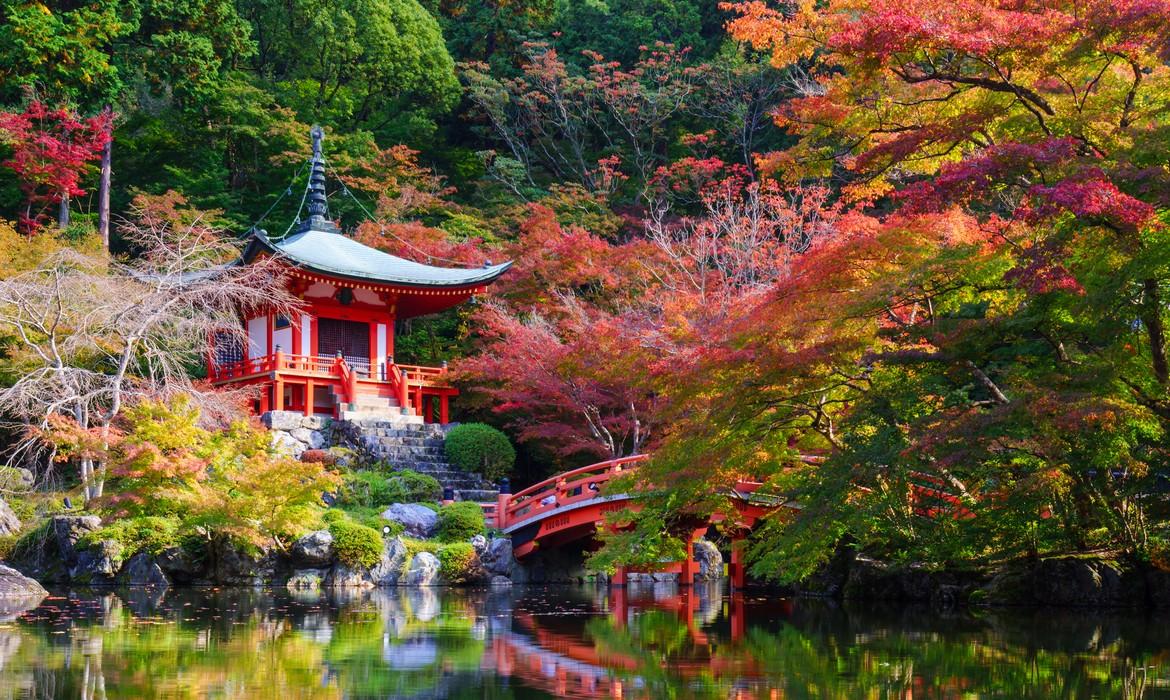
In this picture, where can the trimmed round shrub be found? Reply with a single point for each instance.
(325, 457)
(476, 447)
(356, 545)
(458, 563)
(408, 486)
(460, 521)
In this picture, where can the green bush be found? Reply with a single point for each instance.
(460, 521)
(356, 545)
(365, 489)
(150, 533)
(409, 486)
(475, 447)
(374, 489)
(458, 562)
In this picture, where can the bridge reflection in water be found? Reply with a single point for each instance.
(610, 660)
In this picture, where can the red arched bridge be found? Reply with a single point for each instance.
(572, 505)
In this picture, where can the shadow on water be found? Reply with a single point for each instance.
(539, 642)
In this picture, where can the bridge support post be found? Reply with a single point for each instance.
(686, 575)
(738, 618)
(735, 569)
(502, 500)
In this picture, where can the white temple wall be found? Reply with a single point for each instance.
(306, 335)
(283, 339)
(257, 337)
(381, 347)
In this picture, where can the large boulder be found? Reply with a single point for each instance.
(1072, 582)
(423, 571)
(9, 523)
(68, 529)
(497, 558)
(314, 439)
(97, 565)
(142, 570)
(234, 566)
(417, 520)
(282, 420)
(306, 580)
(345, 576)
(710, 561)
(286, 444)
(389, 568)
(15, 585)
(313, 550)
(178, 565)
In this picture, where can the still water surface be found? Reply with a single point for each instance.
(536, 642)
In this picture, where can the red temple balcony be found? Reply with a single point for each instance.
(339, 386)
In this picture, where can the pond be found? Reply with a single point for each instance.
(541, 642)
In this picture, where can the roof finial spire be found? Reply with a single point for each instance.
(318, 205)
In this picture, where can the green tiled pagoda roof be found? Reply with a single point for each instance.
(332, 254)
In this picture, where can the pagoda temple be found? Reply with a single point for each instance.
(336, 356)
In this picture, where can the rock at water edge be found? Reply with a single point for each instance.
(418, 521)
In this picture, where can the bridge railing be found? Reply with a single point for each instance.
(556, 492)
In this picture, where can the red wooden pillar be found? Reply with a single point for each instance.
(738, 617)
(502, 501)
(310, 389)
(618, 607)
(418, 403)
(619, 577)
(686, 576)
(738, 578)
(444, 409)
(264, 397)
(278, 391)
(402, 390)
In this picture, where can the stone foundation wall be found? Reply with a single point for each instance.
(295, 432)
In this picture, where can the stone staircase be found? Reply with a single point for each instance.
(377, 408)
(408, 443)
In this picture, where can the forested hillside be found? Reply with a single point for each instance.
(848, 247)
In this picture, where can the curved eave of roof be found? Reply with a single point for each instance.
(334, 255)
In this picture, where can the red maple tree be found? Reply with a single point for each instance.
(52, 149)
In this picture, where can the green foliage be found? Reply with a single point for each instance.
(356, 545)
(373, 489)
(365, 489)
(616, 28)
(228, 484)
(388, 70)
(150, 534)
(409, 486)
(457, 562)
(477, 447)
(460, 521)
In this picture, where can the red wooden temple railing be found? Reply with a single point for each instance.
(410, 385)
(555, 493)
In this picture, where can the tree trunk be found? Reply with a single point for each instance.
(63, 212)
(104, 192)
(1155, 330)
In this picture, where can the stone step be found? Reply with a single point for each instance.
(409, 432)
(477, 495)
(392, 417)
(431, 454)
(433, 443)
